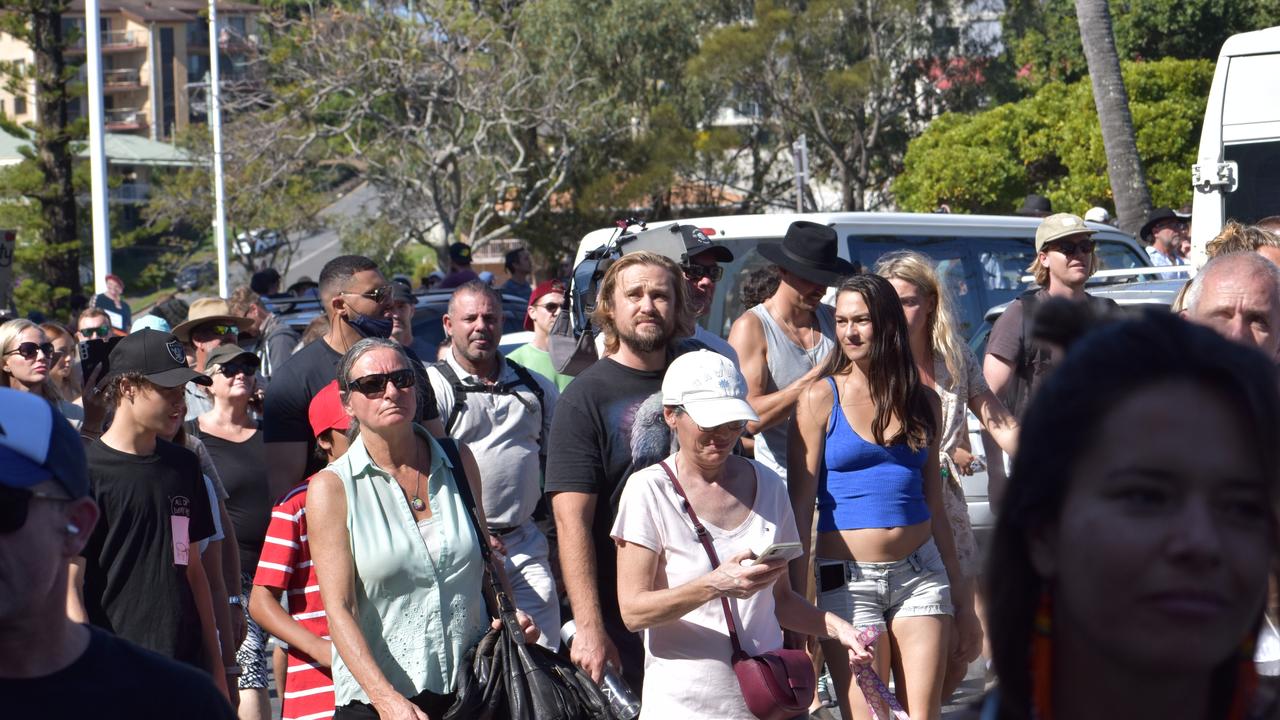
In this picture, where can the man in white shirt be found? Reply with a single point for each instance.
(503, 412)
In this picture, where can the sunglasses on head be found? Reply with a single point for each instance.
(231, 370)
(375, 386)
(15, 503)
(1068, 247)
(100, 331)
(379, 295)
(28, 350)
(697, 272)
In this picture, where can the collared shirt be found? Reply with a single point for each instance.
(1159, 259)
(419, 611)
(503, 432)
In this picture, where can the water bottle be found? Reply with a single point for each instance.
(622, 702)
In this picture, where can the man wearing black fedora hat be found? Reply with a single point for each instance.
(783, 341)
(1164, 232)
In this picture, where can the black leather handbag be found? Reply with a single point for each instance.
(504, 676)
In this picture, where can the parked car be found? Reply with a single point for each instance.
(257, 242)
(194, 276)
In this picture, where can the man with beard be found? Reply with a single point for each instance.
(357, 300)
(502, 411)
(600, 435)
(783, 341)
(701, 266)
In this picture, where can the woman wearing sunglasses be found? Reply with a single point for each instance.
(865, 446)
(28, 360)
(234, 441)
(397, 559)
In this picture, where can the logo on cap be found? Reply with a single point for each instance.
(175, 351)
(700, 236)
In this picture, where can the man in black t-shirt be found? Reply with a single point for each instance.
(143, 579)
(357, 299)
(50, 666)
(608, 424)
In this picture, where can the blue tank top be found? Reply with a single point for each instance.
(865, 485)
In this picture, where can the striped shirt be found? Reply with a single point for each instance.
(285, 565)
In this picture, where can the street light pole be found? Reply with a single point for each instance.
(215, 126)
(97, 152)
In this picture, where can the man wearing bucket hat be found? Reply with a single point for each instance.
(783, 341)
(1014, 365)
(143, 578)
(209, 324)
(50, 665)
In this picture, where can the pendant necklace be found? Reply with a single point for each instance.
(417, 503)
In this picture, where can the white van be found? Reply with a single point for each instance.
(1237, 170)
(981, 258)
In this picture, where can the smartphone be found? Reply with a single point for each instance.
(95, 354)
(784, 551)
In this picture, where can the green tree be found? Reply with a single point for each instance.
(1051, 143)
(49, 240)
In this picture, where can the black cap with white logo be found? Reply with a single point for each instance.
(156, 356)
(696, 242)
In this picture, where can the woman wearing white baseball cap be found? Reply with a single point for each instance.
(668, 585)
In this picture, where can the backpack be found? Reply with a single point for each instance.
(1032, 354)
(461, 390)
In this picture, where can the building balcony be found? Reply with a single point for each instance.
(113, 41)
(129, 193)
(125, 119)
(123, 80)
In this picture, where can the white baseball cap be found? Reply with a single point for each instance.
(709, 387)
(1098, 215)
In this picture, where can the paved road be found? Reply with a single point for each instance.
(315, 250)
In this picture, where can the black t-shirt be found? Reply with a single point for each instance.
(134, 585)
(608, 424)
(242, 466)
(300, 378)
(116, 679)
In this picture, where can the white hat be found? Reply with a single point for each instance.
(1098, 215)
(709, 387)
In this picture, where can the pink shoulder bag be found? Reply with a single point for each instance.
(777, 685)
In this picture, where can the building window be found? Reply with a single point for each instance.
(19, 105)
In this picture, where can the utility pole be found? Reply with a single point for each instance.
(215, 126)
(97, 151)
(800, 158)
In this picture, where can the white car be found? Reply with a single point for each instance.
(257, 242)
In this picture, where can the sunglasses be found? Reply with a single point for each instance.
(1067, 247)
(375, 386)
(15, 504)
(551, 307)
(231, 370)
(28, 350)
(100, 331)
(697, 272)
(379, 295)
(218, 330)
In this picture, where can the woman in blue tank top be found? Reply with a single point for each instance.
(864, 448)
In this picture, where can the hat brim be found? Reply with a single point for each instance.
(718, 411)
(230, 358)
(829, 276)
(176, 377)
(719, 252)
(183, 330)
(18, 471)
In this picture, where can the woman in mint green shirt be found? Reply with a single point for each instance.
(397, 558)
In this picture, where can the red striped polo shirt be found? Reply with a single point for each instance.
(285, 565)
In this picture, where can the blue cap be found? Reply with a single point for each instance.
(37, 444)
(150, 322)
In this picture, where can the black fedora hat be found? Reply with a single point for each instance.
(811, 251)
(1035, 205)
(1156, 216)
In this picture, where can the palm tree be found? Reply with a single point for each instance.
(1124, 165)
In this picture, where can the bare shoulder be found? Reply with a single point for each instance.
(746, 329)
(816, 400)
(325, 489)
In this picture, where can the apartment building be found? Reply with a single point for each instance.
(155, 62)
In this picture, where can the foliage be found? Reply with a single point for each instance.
(1051, 143)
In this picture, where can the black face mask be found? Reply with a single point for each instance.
(369, 326)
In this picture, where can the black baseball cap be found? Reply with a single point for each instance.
(156, 356)
(696, 242)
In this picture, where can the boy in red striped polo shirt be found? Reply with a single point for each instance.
(285, 568)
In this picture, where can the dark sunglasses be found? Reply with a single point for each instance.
(100, 331)
(375, 386)
(552, 308)
(379, 295)
(15, 504)
(1067, 247)
(231, 370)
(28, 350)
(219, 330)
(697, 272)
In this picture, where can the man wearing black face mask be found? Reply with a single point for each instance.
(357, 300)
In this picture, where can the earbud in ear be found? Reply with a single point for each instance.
(73, 529)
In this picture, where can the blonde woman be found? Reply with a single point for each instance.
(28, 359)
(948, 366)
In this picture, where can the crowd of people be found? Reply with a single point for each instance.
(172, 499)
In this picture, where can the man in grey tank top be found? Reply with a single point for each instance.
(783, 342)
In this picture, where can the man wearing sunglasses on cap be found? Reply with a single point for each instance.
(1015, 366)
(357, 299)
(51, 666)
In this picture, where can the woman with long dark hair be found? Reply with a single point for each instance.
(864, 445)
(1129, 566)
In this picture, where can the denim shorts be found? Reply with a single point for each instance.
(871, 594)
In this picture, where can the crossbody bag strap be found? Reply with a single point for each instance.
(499, 598)
(704, 537)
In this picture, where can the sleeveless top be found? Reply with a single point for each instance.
(419, 611)
(865, 485)
(788, 362)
